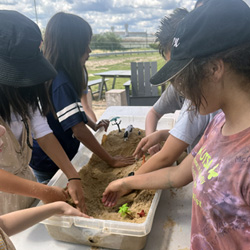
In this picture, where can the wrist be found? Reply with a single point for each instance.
(110, 160)
(74, 179)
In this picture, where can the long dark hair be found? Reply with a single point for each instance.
(23, 100)
(67, 38)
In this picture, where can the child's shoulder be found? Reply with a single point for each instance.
(61, 81)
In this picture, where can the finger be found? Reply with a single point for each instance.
(113, 200)
(74, 197)
(104, 198)
(139, 147)
(105, 195)
(86, 216)
(66, 194)
(107, 198)
(81, 206)
(137, 150)
(130, 160)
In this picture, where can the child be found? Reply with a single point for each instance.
(189, 127)
(66, 46)
(210, 65)
(23, 98)
(18, 221)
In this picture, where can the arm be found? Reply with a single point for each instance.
(91, 116)
(87, 109)
(15, 222)
(10, 183)
(151, 121)
(175, 176)
(83, 134)
(54, 150)
(170, 152)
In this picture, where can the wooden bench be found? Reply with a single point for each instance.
(97, 82)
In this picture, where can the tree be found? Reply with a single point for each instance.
(106, 41)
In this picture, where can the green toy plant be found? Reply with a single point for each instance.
(124, 211)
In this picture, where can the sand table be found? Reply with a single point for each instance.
(96, 175)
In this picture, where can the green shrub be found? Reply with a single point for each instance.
(106, 41)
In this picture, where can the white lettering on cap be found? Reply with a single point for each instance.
(176, 42)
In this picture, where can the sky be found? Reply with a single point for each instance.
(140, 15)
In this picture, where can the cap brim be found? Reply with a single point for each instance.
(169, 71)
(27, 73)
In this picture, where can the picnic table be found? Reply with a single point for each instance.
(114, 74)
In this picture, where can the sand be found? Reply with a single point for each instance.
(96, 175)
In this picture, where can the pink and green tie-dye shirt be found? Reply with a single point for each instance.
(221, 190)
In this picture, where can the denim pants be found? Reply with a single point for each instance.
(43, 177)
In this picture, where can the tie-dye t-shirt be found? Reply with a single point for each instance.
(221, 190)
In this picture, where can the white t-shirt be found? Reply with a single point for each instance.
(39, 125)
(169, 102)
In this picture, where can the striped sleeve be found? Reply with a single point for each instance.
(68, 107)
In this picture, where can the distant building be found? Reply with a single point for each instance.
(135, 39)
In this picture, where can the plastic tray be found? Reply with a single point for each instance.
(104, 233)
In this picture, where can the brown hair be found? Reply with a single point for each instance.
(189, 81)
(67, 38)
(167, 28)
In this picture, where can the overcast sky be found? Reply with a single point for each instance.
(140, 15)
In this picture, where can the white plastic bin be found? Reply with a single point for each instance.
(104, 233)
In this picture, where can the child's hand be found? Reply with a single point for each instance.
(122, 161)
(146, 143)
(53, 193)
(76, 192)
(155, 149)
(102, 123)
(66, 209)
(114, 191)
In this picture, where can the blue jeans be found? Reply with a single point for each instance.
(43, 177)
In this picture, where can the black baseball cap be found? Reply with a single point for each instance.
(216, 26)
(21, 61)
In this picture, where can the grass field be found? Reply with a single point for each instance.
(119, 62)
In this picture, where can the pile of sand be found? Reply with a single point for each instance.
(96, 175)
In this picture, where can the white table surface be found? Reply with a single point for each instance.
(172, 221)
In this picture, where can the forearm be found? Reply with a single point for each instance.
(157, 161)
(151, 121)
(18, 221)
(90, 113)
(166, 157)
(87, 109)
(91, 123)
(84, 135)
(10, 183)
(51, 146)
(174, 176)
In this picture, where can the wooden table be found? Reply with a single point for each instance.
(114, 74)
